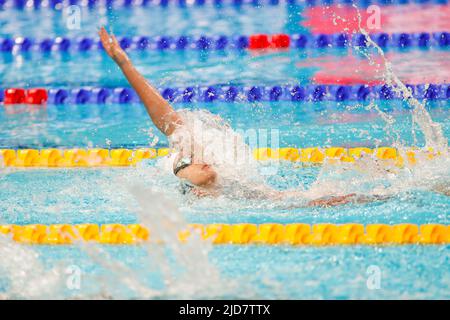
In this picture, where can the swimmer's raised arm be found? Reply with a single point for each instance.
(161, 112)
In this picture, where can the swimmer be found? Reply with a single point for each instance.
(197, 177)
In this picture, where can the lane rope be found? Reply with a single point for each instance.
(220, 93)
(60, 4)
(239, 234)
(68, 158)
(222, 42)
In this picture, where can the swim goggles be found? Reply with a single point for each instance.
(181, 164)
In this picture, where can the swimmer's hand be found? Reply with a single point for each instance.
(350, 198)
(332, 201)
(112, 47)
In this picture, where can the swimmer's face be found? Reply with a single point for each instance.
(199, 174)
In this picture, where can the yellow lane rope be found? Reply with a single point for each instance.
(268, 234)
(128, 157)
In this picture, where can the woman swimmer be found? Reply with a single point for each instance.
(197, 177)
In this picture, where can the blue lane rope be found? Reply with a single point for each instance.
(58, 4)
(222, 42)
(237, 93)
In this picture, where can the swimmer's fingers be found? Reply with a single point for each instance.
(114, 41)
(112, 47)
(104, 36)
(109, 38)
(105, 39)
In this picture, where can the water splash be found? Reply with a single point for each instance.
(23, 276)
(198, 277)
(434, 136)
(371, 176)
(210, 139)
(183, 269)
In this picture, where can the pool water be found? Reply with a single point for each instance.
(301, 125)
(149, 194)
(282, 273)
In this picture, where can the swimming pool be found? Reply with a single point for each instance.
(149, 195)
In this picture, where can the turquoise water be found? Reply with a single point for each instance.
(288, 273)
(188, 68)
(174, 68)
(306, 124)
(110, 195)
(103, 196)
(156, 20)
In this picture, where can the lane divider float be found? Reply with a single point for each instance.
(60, 4)
(220, 93)
(223, 42)
(68, 158)
(22, 96)
(296, 234)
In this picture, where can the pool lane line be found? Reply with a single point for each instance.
(223, 93)
(116, 4)
(254, 42)
(298, 234)
(97, 158)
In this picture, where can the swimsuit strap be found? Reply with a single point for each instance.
(185, 187)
